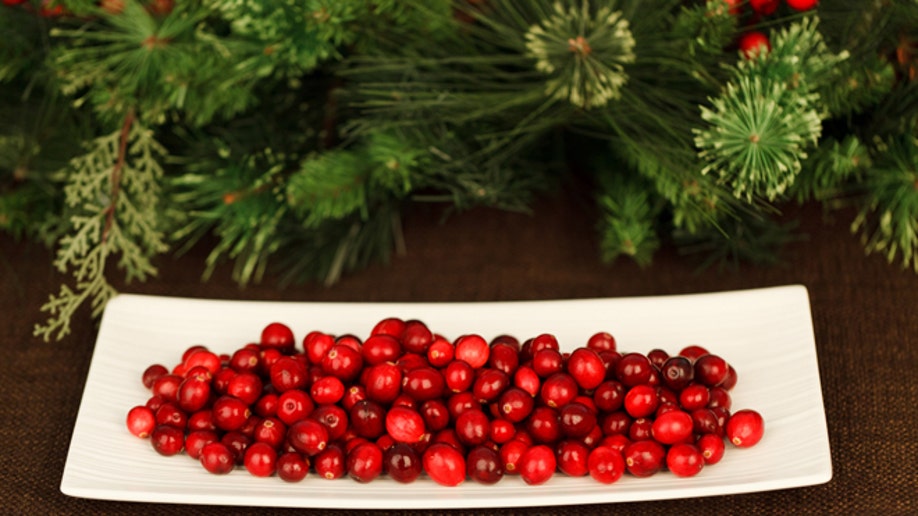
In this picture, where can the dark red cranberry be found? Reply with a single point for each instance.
(402, 462)
(644, 458)
(153, 373)
(544, 425)
(416, 337)
(368, 419)
(634, 369)
(602, 341)
(307, 436)
(711, 370)
(292, 467)
(515, 404)
(217, 458)
(277, 335)
(577, 421)
(167, 440)
(489, 384)
(483, 465)
(330, 463)
(473, 427)
(547, 362)
(504, 357)
(609, 396)
(424, 383)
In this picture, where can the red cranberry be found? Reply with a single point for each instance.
(271, 431)
(316, 345)
(245, 386)
(203, 358)
(587, 368)
(677, 372)
(444, 464)
(435, 414)
(577, 421)
(307, 436)
(719, 397)
(544, 425)
(711, 370)
(483, 465)
(245, 360)
(704, 421)
(618, 422)
(473, 350)
(260, 459)
(167, 440)
(460, 402)
(167, 387)
(141, 421)
(528, 380)
(510, 454)
(458, 376)
(368, 419)
(292, 467)
(502, 430)
(333, 417)
(202, 420)
(644, 458)
(405, 425)
(153, 373)
(441, 352)
(558, 390)
(673, 427)
(544, 341)
(402, 463)
(417, 337)
(640, 429)
(277, 335)
(196, 440)
(684, 460)
(745, 428)
(602, 341)
(657, 357)
(172, 415)
(641, 401)
(382, 382)
(424, 383)
(547, 362)
(504, 357)
(381, 348)
(342, 361)
(489, 384)
(389, 326)
(217, 458)
(288, 373)
(695, 396)
(327, 390)
(634, 369)
(605, 465)
(572, 458)
(473, 427)
(693, 352)
(266, 405)
(294, 405)
(609, 396)
(365, 462)
(537, 464)
(330, 463)
(712, 448)
(515, 404)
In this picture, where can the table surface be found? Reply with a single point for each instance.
(863, 314)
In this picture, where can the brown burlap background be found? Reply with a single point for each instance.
(864, 313)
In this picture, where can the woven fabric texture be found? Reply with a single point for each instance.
(864, 315)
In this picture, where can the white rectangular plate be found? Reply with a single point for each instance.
(766, 334)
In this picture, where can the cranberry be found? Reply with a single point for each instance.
(712, 448)
(693, 352)
(167, 387)
(270, 430)
(196, 440)
(558, 390)
(382, 382)
(292, 467)
(609, 396)
(424, 383)
(617, 442)
(444, 464)
(167, 440)
(441, 352)
(333, 417)
(204, 358)
(141, 421)
(634, 369)
(266, 405)
(260, 460)
(307, 436)
(602, 341)
(677, 372)
(153, 373)
(294, 405)
(673, 427)
(245, 360)
(402, 463)
(641, 401)
(695, 396)
(473, 427)
(618, 422)
(277, 335)
(330, 462)
(172, 415)
(316, 345)
(745, 428)
(483, 465)
(288, 373)
(217, 458)
(435, 414)
(587, 368)
(351, 341)
(544, 341)
(245, 386)
(704, 421)
(389, 326)
(730, 380)
(381, 348)
(605, 464)
(460, 402)
(417, 337)
(327, 390)
(449, 437)
(547, 362)
(711, 370)
(489, 384)
(458, 376)
(365, 462)
(577, 421)
(504, 357)
(515, 404)
(502, 430)
(544, 425)
(201, 420)
(352, 395)
(657, 357)
(473, 350)
(405, 425)
(644, 458)
(342, 361)
(572, 458)
(640, 429)
(719, 397)
(368, 419)
(528, 380)
(684, 460)
(221, 380)
(537, 464)
(510, 454)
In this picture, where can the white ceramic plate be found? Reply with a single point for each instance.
(766, 334)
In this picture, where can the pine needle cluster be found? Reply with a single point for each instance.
(293, 135)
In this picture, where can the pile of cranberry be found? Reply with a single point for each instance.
(407, 401)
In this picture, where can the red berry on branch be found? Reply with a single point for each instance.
(753, 44)
(802, 5)
(764, 7)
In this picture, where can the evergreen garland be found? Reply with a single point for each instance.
(295, 132)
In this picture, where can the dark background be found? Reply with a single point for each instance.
(863, 313)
